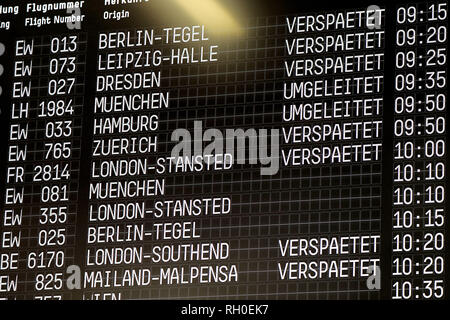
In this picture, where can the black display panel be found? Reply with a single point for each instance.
(223, 149)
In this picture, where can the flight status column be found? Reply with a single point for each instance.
(419, 204)
(333, 118)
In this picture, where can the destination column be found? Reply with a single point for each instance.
(143, 232)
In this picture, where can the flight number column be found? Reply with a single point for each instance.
(43, 166)
(60, 114)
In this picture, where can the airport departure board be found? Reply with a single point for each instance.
(224, 150)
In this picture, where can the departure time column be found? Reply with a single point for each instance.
(419, 209)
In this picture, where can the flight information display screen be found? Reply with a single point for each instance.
(223, 150)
